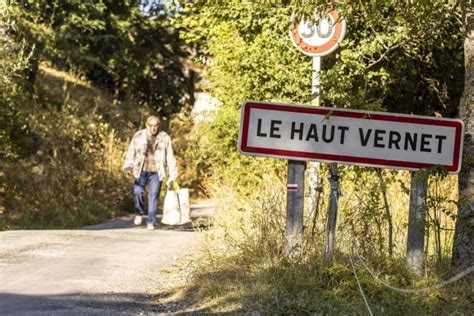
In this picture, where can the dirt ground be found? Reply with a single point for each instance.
(111, 268)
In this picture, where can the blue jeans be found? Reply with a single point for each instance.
(154, 186)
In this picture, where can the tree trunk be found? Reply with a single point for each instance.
(463, 244)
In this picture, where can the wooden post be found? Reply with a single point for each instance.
(294, 205)
(416, 223)
(332, 214)
(388, 215)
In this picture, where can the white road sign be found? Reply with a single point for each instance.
(376, 139)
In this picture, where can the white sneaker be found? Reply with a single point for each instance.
(150, 226)
(138, 220)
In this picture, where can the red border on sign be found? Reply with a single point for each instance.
(325, 49)
(301, 155)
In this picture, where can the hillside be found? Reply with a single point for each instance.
(67, 172)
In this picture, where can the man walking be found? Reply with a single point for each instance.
(148, 156)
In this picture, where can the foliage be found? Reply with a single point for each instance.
(402, 58)
(76, 78)
(14, 58)
(388, 61)
(248, 59)
(115, 44)
(69, 171)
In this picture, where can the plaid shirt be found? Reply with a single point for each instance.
(164, 156)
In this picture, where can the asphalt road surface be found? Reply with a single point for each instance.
(106, 269)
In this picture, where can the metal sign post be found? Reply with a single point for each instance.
(294, 205)
(315, 183)
(315, 86)
(296, 174)
(316, 41)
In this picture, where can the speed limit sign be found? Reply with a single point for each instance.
(321, 39)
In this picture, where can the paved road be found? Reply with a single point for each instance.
(110, 268)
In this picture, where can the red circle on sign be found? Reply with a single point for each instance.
(329, 46)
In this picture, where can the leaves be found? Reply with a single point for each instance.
(134, 54)
(395, 57)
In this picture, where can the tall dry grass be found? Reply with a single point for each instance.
(242, 265)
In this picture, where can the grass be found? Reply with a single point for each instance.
(311, 288)
(241, 266)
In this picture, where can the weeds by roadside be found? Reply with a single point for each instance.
(242, 267)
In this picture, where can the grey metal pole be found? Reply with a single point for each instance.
(294, 205)
(315, 183)
(416, 223)
(316, 81)
(332, 214)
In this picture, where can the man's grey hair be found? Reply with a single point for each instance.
(152, 117)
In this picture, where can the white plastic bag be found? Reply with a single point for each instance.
(171, 214)
(176, 207)
(183, 196)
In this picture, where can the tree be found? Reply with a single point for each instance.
(399, 58)
(15, 59)
(115, 44)
(463, 245)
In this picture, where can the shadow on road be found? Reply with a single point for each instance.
(200, 219)
(89, 304)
